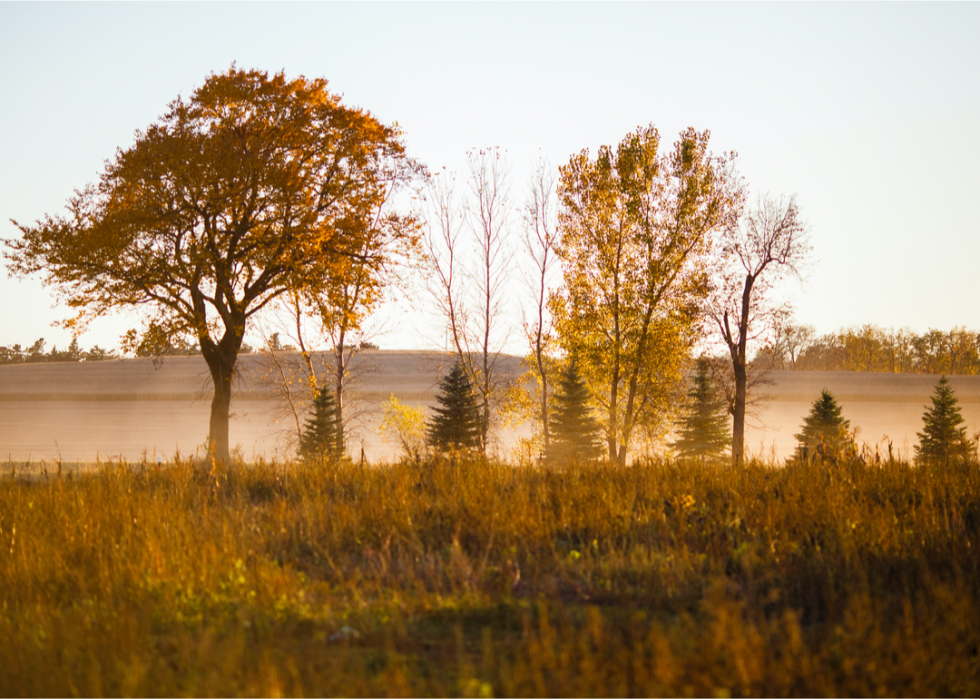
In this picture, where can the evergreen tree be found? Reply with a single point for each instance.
(323, 436)
(825, 432)
(575, 433)
(704, 427)
(457, 421)
(942, 439)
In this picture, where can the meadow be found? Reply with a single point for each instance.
(482, 578)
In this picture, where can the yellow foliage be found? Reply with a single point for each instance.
(634, 231)
(404, 424)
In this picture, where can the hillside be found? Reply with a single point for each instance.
(129, 407)
(125, 408)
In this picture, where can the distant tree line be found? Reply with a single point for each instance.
(36, 354)
(154, 342)
(875, 349)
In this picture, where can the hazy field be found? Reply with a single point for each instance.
(125, 408)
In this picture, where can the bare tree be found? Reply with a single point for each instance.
(490, 211)
(768, 243)
(444, 220)
(469, 293)
(539, 240)
(793, 340)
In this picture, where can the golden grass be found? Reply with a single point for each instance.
(488, 579)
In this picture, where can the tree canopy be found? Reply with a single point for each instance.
(253, 186)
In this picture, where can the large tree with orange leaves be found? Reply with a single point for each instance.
(252, 187)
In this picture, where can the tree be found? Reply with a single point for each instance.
(323, 436)
(759, 248)
(942, 440)
(825, 432)
(252, 187)
(529, 397)
(634, 229)
(791, 343)
(474, 312)
(341, 302)
(575, 433)
(457, 422)
(704, 431)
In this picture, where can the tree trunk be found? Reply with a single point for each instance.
(339, 392)
(539, 356)
(611, 441)
(222, 367)
(741, 374)
(221, 358)
(738, 413)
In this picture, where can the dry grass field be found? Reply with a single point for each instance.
(469, 577)
(482, 579)
(135, 407)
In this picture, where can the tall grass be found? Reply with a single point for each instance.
(481, 579)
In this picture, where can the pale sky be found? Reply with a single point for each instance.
(870, 113)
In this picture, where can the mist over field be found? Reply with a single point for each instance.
(125, 409)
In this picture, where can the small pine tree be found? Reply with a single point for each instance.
(575, 433)
(457, 421)
(704, 427)
(825, 432)
(323, 436)
(942, 440)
